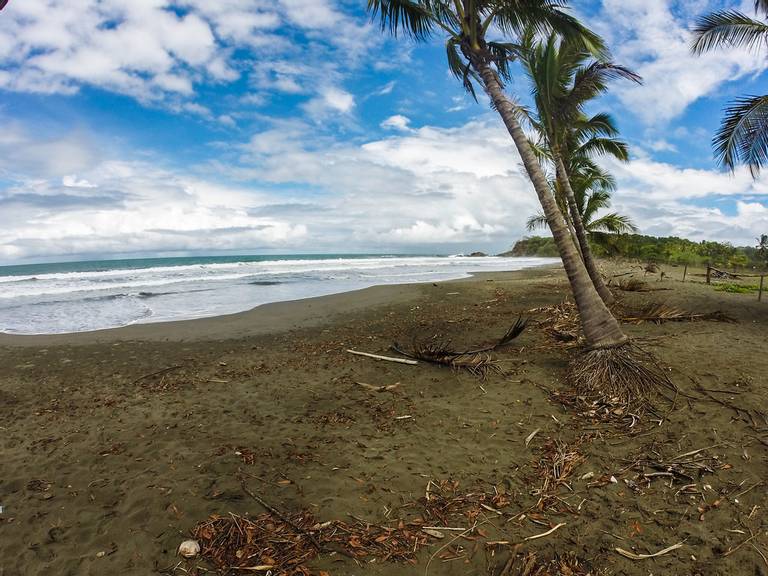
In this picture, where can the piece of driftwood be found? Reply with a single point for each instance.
(547, 533)
(633, 556)
(385, 358)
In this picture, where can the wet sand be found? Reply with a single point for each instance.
(116, 443)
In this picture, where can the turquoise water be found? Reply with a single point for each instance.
(82, 296)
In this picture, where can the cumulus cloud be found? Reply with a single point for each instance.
(160, 51)
(286, 188)
(396, 122)
(655, 41)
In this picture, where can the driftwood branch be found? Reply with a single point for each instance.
(386, 358)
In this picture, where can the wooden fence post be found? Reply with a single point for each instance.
(760, 291)
(685, 271)
(709, 269)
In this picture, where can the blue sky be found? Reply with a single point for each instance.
(254, 126)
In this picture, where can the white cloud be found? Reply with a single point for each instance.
(397, 122)
(71, 181)
(331, 100)
(160, 51)
(648, 36)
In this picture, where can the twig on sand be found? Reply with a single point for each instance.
(547, 533)
(280, 515)
(384, 388)
(157, 373)
(633, 556)
(732, 550)
(386, 358)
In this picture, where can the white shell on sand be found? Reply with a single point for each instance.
(189, 548)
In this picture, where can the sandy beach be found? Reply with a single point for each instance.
(116, 443)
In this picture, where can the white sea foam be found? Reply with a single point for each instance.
(76, 301)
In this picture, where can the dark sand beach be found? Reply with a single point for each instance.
(115, 444)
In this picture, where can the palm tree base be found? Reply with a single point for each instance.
(623, 378)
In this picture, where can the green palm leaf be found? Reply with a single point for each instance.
(743, 134)
(729, 28)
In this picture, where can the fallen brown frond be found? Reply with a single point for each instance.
(477, 361)
(618, 379)
(660, 313)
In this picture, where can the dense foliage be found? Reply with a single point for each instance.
(670, 250)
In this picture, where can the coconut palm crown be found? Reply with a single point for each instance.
(743, 134)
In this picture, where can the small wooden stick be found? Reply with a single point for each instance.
(633, 556)
(387, 358)
(547, 533)
(274, 511)
(163, 371)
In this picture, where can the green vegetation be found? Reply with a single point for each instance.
(671, 250)
(736, 288)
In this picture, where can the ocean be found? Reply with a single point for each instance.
(83, 296)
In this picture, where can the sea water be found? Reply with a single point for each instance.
(83, 296)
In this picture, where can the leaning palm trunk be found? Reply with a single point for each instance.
(581, 234)
(600, 327)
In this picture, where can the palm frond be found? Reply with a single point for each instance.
(743, 134)
(613, 223)
(406, 16)
(514, 17)
(592, 80)
(604, 147)
(729, 28)
(537, 221)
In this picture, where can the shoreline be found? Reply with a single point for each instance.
(263, 319)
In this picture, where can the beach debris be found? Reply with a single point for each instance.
(660, 313)
(547, 533)
(528, 564)
(279, 515)
(156, 373)
(556, 465)
(477, 361)
(633, 556)
(189, 548)
(561, 323)
(385, 358)
(384, 388)
(267, 543)
(531, 436)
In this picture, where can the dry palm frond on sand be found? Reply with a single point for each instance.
(477, 361)
(660, 313)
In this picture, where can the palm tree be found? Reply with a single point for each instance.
(474, 58)
(592, 190)
(743, 134)
(762, 247)
(564, 77)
